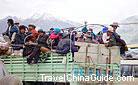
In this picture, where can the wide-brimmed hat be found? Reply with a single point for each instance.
(31, 25)
(115, 24)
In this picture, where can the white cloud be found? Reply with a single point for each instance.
(94, 11)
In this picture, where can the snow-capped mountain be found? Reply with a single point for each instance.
(3, 22)
(44, 21)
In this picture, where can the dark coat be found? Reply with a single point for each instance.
(19, 38)
(64, 47)
(19, 41)
(10, 31)
(42, 40)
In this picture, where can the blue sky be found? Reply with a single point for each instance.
(93, 11)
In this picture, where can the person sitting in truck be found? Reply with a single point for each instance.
(120, 42)
(11, 31)
(88, 37)
(73, 36)
(55, 37)
(80, 37)
(64, 45)
(28, 49)
(34, 47)
(84, 29)
(32, 30)
(100, 34)
(50, 31)
(19, 38)
(108, 38)
(93, 36)
(42, 40)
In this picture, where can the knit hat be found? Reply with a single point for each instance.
(41, 30)
(57, 30)
(105, 29)
(114, 24)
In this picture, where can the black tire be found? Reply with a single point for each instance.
(10, 80)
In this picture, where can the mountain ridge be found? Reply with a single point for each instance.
(44, 21)
(128, 32)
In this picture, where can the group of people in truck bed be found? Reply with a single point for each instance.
(35, 42)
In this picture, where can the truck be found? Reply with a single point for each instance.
(85, 67)
(57, 69)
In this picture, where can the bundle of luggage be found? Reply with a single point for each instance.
(4, 48)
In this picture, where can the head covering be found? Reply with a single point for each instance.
(57, 30)
(105, 29)
(110, 29)
(31, 25)
(114, 24)
(51, 28)
(41, 30)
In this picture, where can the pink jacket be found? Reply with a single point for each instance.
(54, 36)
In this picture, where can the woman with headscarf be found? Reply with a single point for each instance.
(55, 37)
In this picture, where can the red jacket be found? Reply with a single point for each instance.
(34, 33)
(54, 36)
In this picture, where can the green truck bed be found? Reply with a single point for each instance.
(56, 65)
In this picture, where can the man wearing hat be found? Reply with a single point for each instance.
(120, 42)
(32, 30)
(37, 46)
(42, 38)
(115, 26)
(115, 34)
